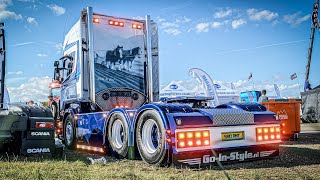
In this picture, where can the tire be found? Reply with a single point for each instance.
(118, 135)
(69, 132)
(150, 138)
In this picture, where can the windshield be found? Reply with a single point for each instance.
(55, 92)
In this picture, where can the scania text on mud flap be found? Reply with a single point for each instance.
(38, 150)
(109, 76)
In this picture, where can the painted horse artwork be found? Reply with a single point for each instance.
(113, 57)
(121, 59)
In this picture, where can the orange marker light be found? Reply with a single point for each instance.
(190, 143)
(111, 22)
(272, 136)
(283, 124)
(265, 130)
(266, 137)
(259, 130)
(205, 134)
(260, 138)
(96, 20)
(121, 23)
(182, 144)
(283, 132)
(198, 135)
(272, 129)
(198, 142)
(181, 136)
(134, 26)
(277, 129)
(189, 135)
(278, 136)
(206, 142)
(131, 114)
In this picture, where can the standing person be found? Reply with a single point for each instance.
(54, 107)
(264, 96)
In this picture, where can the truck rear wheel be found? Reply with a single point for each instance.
(69, 133)
(118, 135)
(150, 138)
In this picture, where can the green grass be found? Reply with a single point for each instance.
(298, 160)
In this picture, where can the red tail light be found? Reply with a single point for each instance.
(193, 138)
(44, 125)
(268, 133)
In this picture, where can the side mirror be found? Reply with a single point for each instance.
(56, 64)
(56, 74)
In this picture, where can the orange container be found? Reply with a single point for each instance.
(288, 111)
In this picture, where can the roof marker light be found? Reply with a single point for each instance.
(96, 20)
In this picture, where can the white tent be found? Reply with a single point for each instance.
(225, 94)
(174, 89)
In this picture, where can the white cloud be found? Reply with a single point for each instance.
(6, 14)
(23, 44)
(238, 23)
(296, 19)
(223, 13)
(57, 10)
(42, 55)
(159, 19)
(173, 31)
(202, 27)
(168, 25)
(138, 18)
(36, 89)
(32, 20)
(180, 44)
(16, 73)
(182, 20)
(216, 24)
(58, 46)
(257, 15)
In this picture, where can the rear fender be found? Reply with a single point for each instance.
(164, 111)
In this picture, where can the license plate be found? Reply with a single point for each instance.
(230, 136)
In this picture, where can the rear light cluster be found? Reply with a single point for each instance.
(136, 26)
(268, 133)
(44, 125)
(115, 23)
(193, 139)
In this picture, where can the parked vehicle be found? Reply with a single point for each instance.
(109, 102)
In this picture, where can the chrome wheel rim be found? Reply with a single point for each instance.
(150, 136)
(117, 133)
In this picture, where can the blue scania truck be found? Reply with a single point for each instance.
(109, 76)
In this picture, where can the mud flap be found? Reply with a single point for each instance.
(211, 157)
(32, 147)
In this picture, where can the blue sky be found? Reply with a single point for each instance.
(228, 39)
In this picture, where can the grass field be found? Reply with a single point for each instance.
(298, 160)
